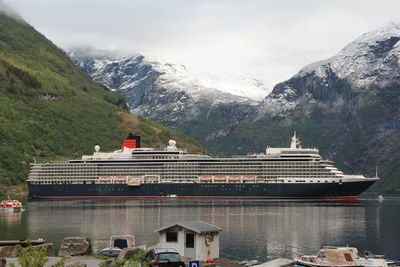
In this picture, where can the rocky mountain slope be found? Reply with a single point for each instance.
(347, 105)
(50, 109)
(169, 94)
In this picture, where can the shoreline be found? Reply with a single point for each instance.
(18, 190)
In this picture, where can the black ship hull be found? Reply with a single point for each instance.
(347, 190)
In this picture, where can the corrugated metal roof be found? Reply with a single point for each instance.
(195, 226)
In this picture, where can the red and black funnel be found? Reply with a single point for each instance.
(132, 141)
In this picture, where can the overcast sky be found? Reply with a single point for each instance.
(270, 40)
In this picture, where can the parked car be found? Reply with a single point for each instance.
(160, 257)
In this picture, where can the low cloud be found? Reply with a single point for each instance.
(270, 40)
(8, 11)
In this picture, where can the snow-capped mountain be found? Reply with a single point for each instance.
(372, 60)
(241, 85)
(347, 106)
(128, 73)
(168, 93)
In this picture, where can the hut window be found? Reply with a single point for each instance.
(172, 236)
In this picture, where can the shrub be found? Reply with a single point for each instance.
(32, 256)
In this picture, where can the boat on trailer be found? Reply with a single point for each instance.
(344, 257)
(117, 243)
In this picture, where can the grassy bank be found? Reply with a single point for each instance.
(14, 191)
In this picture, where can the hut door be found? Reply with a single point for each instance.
(190, 250)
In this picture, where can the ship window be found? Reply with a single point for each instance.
(348, 257)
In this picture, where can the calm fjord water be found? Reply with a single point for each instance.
(252, 229)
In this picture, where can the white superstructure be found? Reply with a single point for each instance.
(173, 165)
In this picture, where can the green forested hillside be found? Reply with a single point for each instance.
(49, 109)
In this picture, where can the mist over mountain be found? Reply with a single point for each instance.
(169, 94)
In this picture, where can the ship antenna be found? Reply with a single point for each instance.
(376, 171)
(294, 142)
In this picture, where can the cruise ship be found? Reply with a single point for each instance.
(135, 172)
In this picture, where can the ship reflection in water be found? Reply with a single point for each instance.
(251, 229)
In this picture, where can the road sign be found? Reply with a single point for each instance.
(194, 263)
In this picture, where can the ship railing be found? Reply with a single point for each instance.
(270, 181)
(273, 155)
(135, 180)
(138, 180)
(358, 176)
(236, 179)
(255, 155)
(63, 181)
(144, 179)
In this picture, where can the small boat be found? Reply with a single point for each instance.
(105, 179)
(249, 178)
(10, 205)
(134, 181)
(172, 196)
(117, 243)
(120, 178)
(220, 179)
(344, 257)
(330, 257)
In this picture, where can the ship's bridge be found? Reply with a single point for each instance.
(287, 152)
(295, 150)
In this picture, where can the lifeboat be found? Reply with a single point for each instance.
(234, 178)
(120, 178)
(10, 204)
(134, 182)
(219, 179)
(105, 178)
(249, 178)
(205, 179)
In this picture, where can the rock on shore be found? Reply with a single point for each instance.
(72, 246)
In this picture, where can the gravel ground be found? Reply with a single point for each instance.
(226, 263)
(93, 262)
(90, 261)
